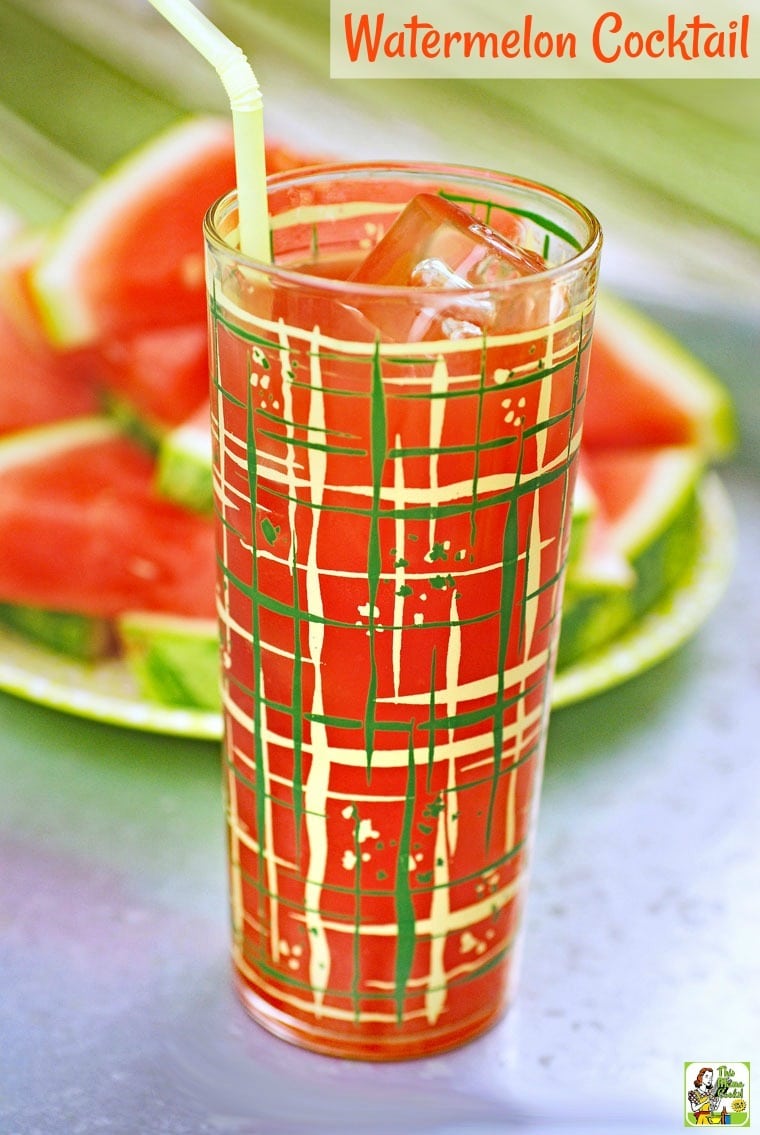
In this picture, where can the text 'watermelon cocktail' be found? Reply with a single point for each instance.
(396, 413)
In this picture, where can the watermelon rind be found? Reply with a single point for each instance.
(184, 467)
(130, 421)
(174, 660)
(41, 442)
(662, 362)
(673, 619)
(659, 538)
(584, 510)
(77, 636)
(60, 279)
(591, 567)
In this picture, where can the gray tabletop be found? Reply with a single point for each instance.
(641, 954)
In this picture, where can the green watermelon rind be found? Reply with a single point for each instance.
(130, 422)
(78, 636)
(588, 568)
(174, 660)
(184, 468)
(672, 368)
(59, 279)
(673, 619)
(659, 541)
(584, 508)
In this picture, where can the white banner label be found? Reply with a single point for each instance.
(548, 39)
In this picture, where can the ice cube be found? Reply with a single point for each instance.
(438, 245)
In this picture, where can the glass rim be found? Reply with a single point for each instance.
(431, 170)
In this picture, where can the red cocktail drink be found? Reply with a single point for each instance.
(394, 466)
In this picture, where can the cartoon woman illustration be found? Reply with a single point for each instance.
(704, 1099)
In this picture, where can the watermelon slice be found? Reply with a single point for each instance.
(130, 256)
(37, 383)
(281, 157)
(594, 562)
(645, 389)
(174, 660)
(78, 636)
(648, 506)
(184, 463)
(83, 531)
(159, 377)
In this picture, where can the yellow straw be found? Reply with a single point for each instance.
(247, 107)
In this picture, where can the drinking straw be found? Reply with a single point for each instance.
(247, 108)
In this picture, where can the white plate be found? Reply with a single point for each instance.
(106, 691)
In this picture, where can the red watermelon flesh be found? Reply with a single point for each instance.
(38, 384)
(618, 477)
(615, 477)
(598, 560)
(130, 256)
(82, 530)
(280, 157)
(640, 492)
(622, 409)
(162, 374)
(152, 267)
(645, 389)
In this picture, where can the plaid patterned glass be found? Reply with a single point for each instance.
(393, 510)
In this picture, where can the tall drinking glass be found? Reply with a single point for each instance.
(393, 491)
